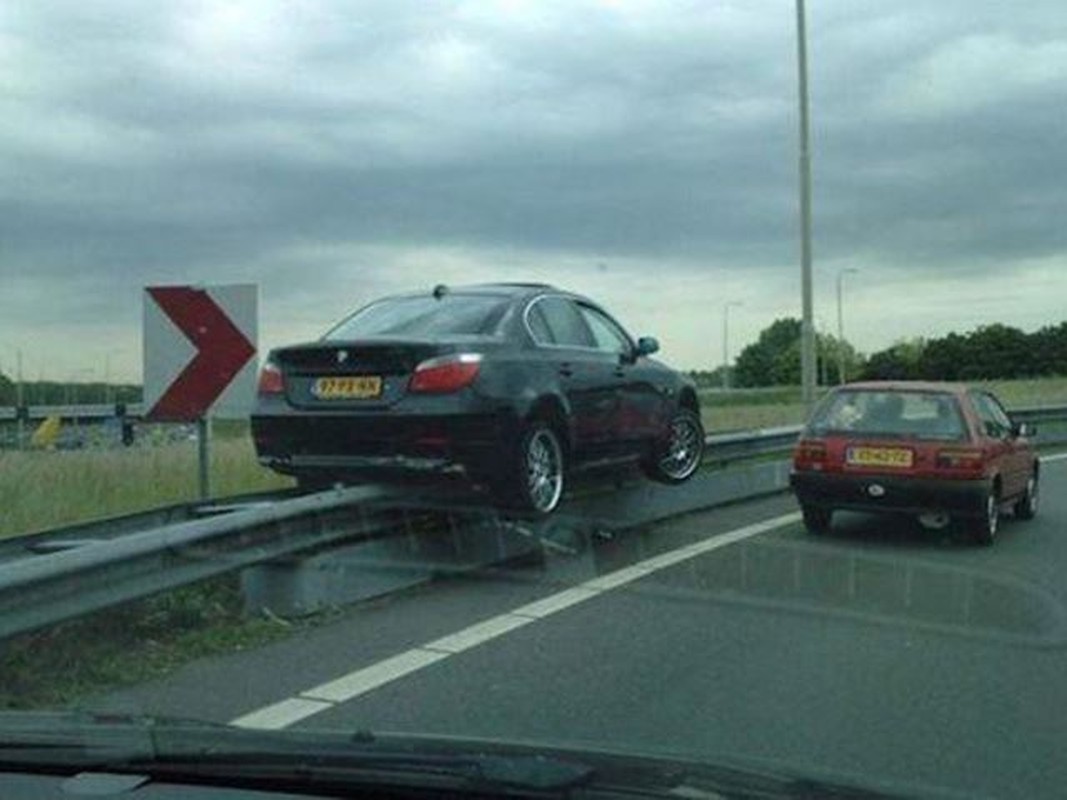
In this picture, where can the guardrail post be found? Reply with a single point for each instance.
(125, 425)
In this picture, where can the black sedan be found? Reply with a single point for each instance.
(514, 385)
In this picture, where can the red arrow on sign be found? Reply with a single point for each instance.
(222, 351)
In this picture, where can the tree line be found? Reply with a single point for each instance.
(56, 393)
(989, 352)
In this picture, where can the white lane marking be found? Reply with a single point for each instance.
(1057, 457)
(359, 682)
(554, 603)
(478, 634)
(369, 678)
(281, 715)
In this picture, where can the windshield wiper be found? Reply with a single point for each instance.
(165, 748)
(474, 772)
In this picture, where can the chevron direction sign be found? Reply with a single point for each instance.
(199, 351)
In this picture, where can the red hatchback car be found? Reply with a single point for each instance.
(936, 450)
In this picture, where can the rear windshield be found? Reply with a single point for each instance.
(457, 314)
(913, 415)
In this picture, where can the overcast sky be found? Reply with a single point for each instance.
(641, 152)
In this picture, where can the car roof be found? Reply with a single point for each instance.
(908, 386)
(514, 290)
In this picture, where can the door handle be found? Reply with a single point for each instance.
(566, 370)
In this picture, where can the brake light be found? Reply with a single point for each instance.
(446, 374)
(270, 379)
(961, 459)
(809, 455)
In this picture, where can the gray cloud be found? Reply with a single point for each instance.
(197, 141)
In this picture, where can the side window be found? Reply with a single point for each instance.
(995, 421)
(606, 334)
(542, 334)
(564, 323)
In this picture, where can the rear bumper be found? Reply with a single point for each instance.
(890, 493)
(305, 443)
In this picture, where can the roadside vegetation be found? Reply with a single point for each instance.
(746, 409)
(132, 644)
(48, 489)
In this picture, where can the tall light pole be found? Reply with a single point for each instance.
(841, 324)
(807, 329)
(726, 341)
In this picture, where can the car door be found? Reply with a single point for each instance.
(588, 376)
(641, 403)
(1011, 453)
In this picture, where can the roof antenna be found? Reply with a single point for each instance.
(439, 291)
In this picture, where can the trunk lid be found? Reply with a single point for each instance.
(366, 374)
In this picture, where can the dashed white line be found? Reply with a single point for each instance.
(1057, 457)
(369, 678)
(361, 681)
(281, 715)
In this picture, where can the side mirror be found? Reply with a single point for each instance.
(1021, 430)
(646, 346)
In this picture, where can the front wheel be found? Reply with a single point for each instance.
(535, 477)
(678, 456)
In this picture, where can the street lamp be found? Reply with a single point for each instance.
(726, 341)
(807, 330)
(841, 324)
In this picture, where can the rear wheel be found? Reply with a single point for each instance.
(1026, 506)
(535, 478)
(817, 520)
(987, 526)
(678, 456)
(309, 484)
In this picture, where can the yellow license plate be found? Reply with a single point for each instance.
(347, 387)
(879, 457)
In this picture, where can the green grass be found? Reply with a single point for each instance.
(131, 644)
(41, 490)
(745, 409)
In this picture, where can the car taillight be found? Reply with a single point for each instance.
(961, 459)
(809, 455)
(446, 374)
(270, 379)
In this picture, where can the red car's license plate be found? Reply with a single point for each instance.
(894, 457)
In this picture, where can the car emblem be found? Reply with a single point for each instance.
(876, 490)
(342, 356)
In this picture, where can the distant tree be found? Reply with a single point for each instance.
(773, 359)
(7, 391)
(1049, 350)
(897, 363)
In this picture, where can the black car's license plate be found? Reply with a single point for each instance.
(347, 387)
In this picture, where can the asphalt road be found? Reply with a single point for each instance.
(881, 651)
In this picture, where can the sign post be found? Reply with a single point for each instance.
(199, 358)
(203, 446)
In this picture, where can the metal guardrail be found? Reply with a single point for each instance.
(43, 590)
(95, 411)
(36, 592)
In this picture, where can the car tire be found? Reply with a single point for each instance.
(676, 459)
(816, 519)
(536, 477)
(986, 527)
(1026, 506)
